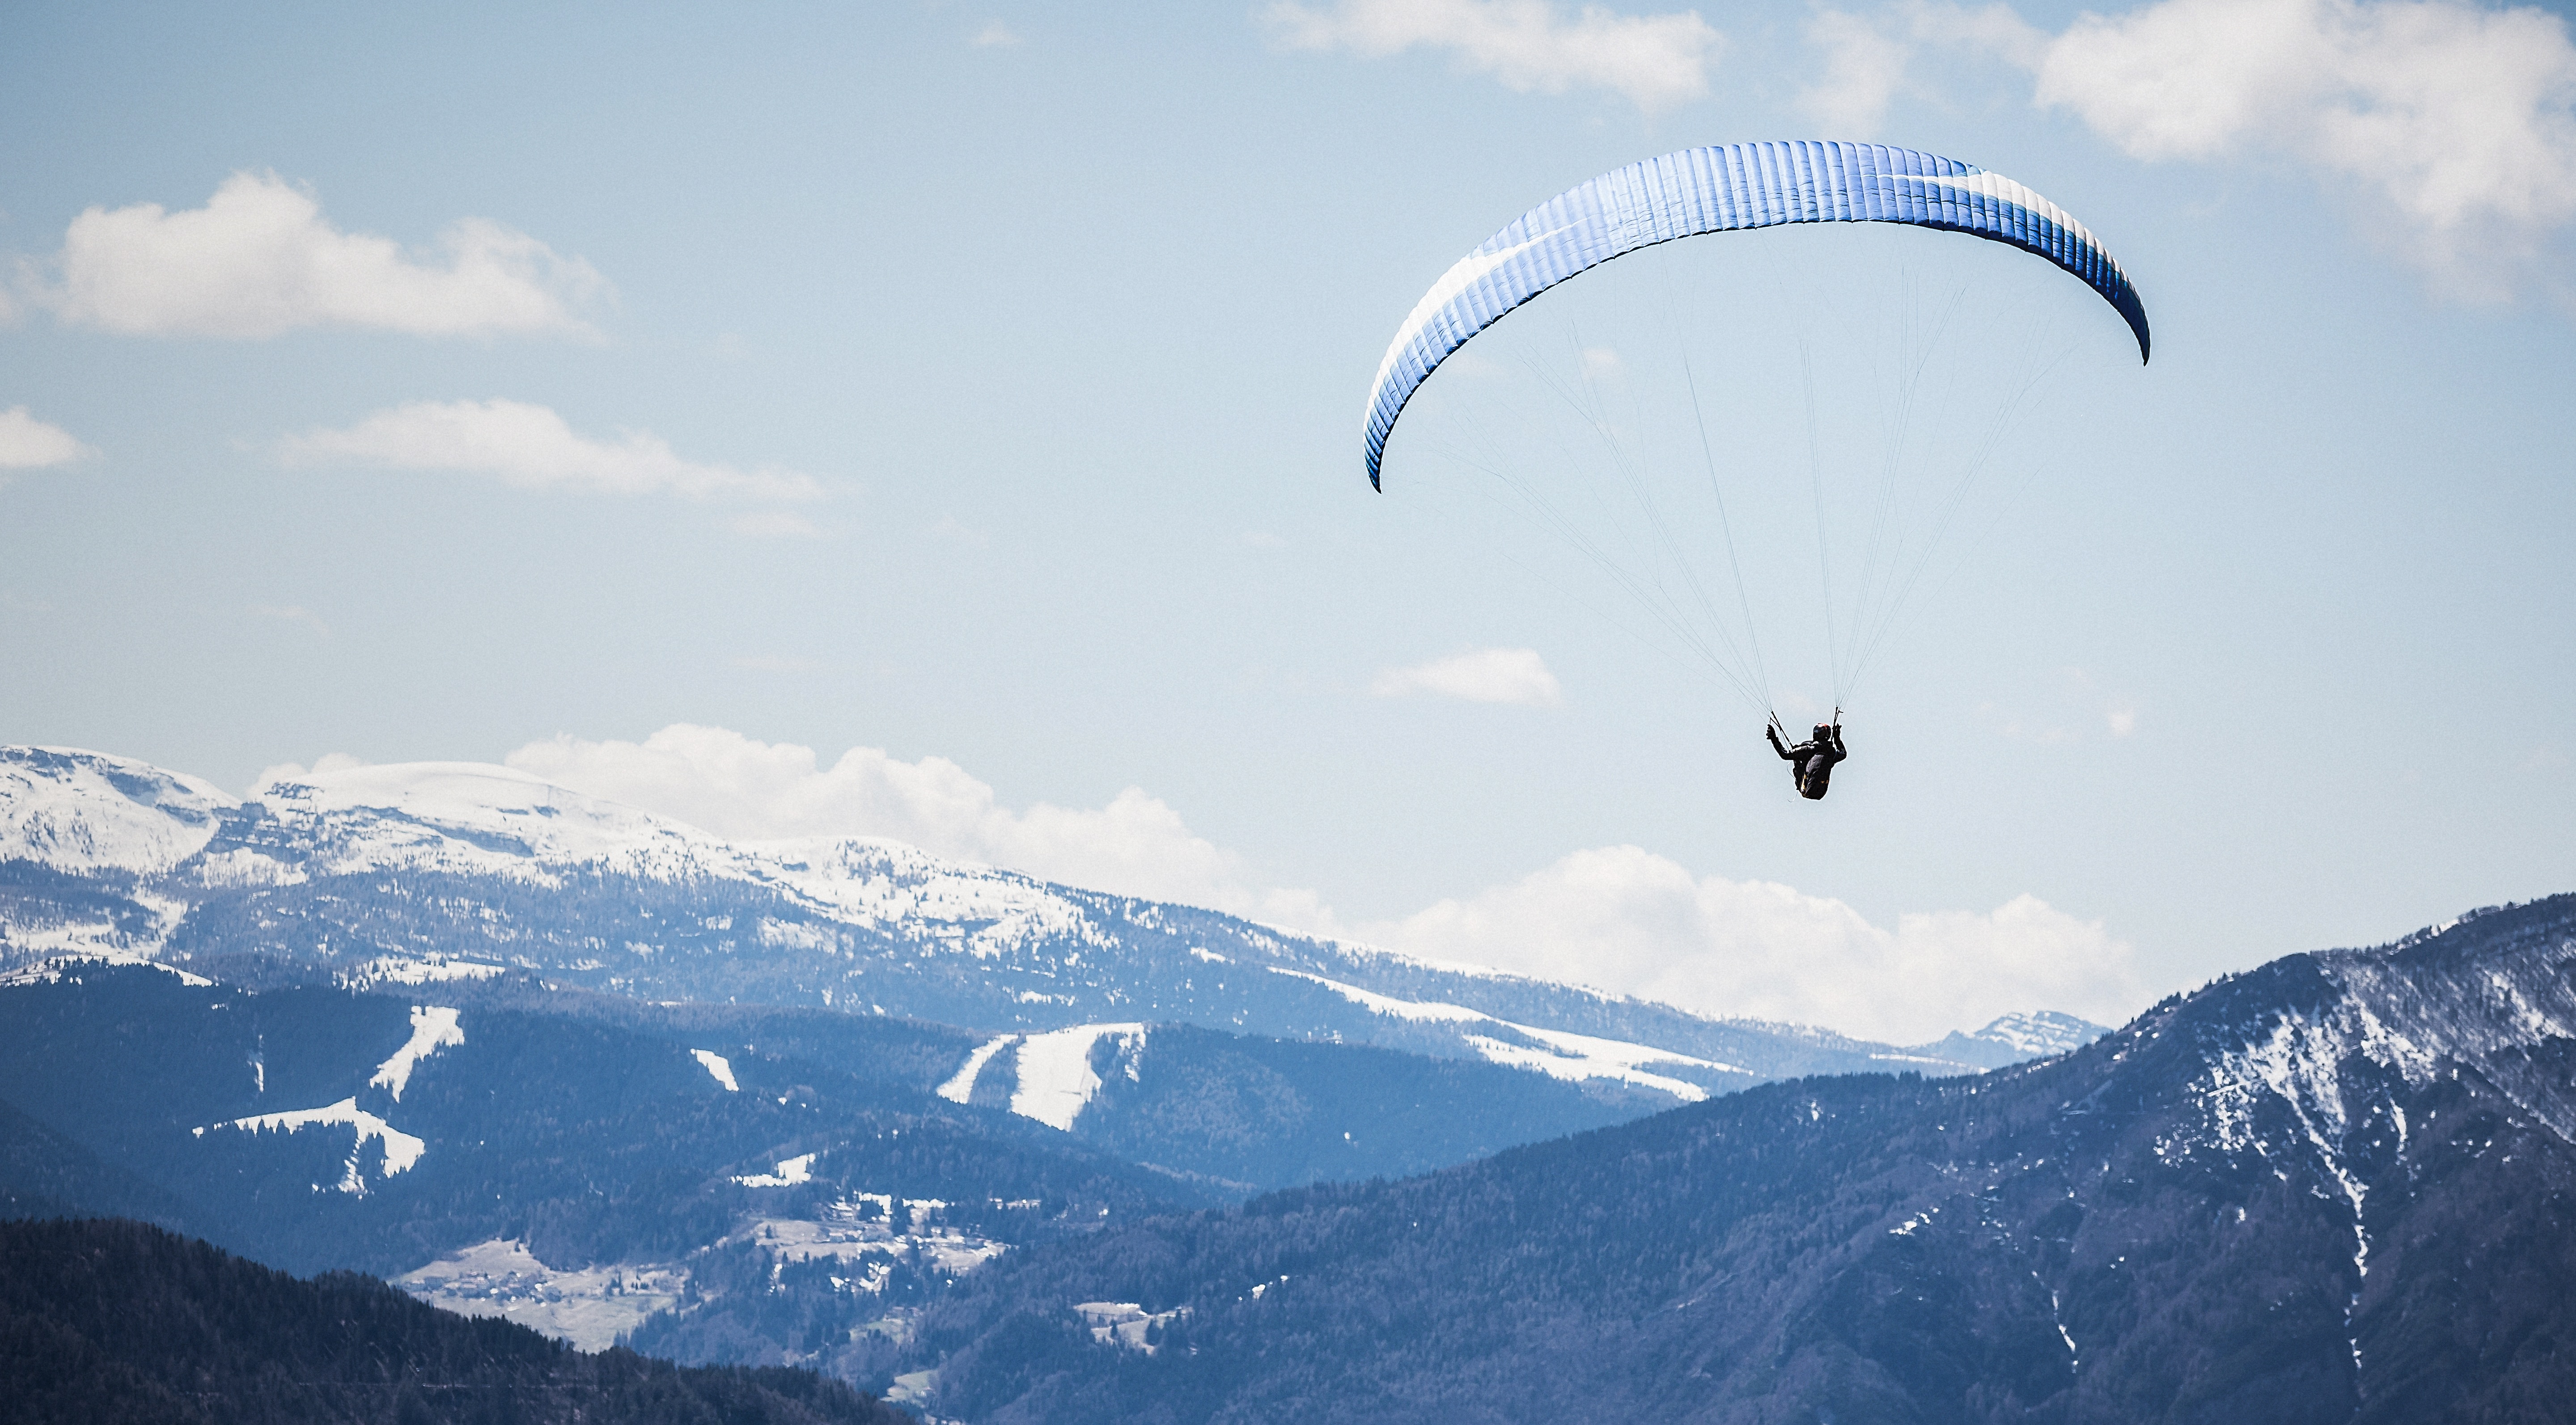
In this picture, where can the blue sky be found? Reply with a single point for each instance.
(946, 419)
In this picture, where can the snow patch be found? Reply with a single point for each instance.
(961, 1085)
(402, 1150)
(1576, 1069)
(1056, 1081)
(718, 1066)
(243, 869)
(59, 968)
(791, 1171)
(1565, 1055)
(1124, 1323)
(1388, 1005)
(796, 935)
(437, 969)
(433, 1027)
(1620, 1053)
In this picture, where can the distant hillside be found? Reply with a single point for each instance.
(319, 1128)
(119, 1321)
(2340, 1187)
(435, 870)
(1236, 1113)
(774, 1179)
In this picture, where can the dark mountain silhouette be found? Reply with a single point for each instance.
(2339, 1187)
(120, 1321)
(44, 1174)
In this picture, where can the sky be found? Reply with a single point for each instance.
(942, 422)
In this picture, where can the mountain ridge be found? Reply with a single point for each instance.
(2335, 1187)
(107, 856)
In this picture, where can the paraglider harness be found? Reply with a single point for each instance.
(1812, 761)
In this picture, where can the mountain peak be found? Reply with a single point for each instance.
(495, 818)
(83, 812)
(2041, 1033)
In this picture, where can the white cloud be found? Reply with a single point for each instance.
(1864, 68)
(1630, 922)
(260, 259)
(2123, 721)
(736, 787)
(1655, 60)
(2453, 123)
(2460, 118)
(1491, 675)
(531, 445)
(995, 34)
(327, 762)
(27, 443)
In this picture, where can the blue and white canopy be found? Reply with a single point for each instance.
(1709, 190)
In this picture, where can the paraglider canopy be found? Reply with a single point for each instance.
(1730, 188)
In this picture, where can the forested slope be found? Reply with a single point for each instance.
(280, 1121)
(2338, 1187)
(118, 1321)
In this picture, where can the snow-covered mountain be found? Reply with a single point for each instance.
(460, 868)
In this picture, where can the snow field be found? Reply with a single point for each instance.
(961, 1085)
(433, 1027)
(86, 812)
(1574, 1057)
(718, 1067)
(402, 1150)
(791, 1171)
(1056, 1081)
